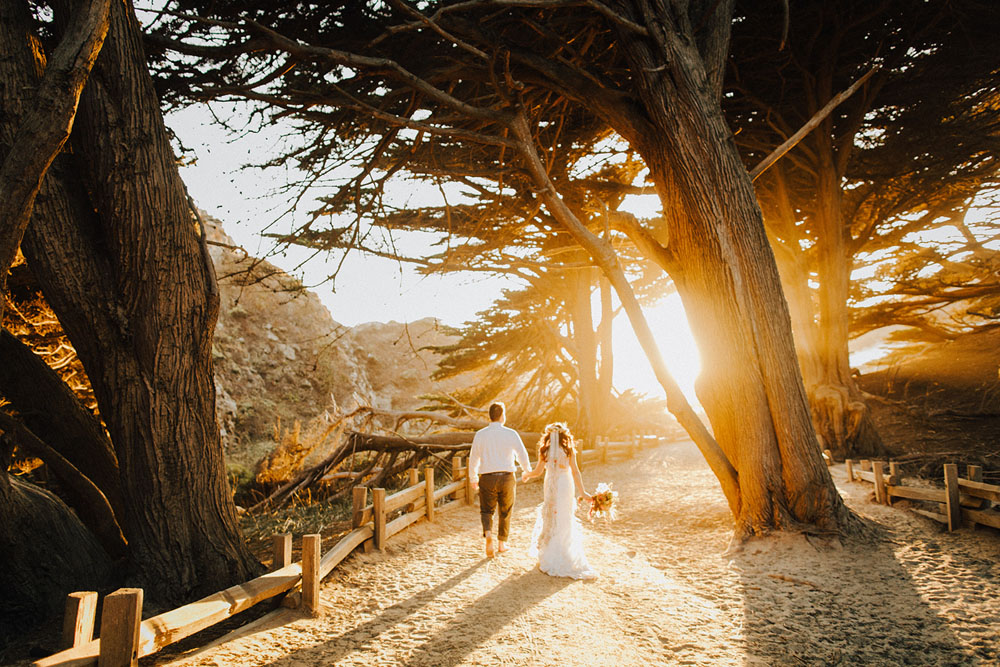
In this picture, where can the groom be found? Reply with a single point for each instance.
(494, 450)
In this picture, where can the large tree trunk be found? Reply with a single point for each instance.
(590, 403)
(793, 264)
(604, 257)
(119, 261)
(605, 335)
(750, 384)
(41, 132)
(843, 420)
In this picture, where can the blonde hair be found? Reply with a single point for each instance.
(565, 442)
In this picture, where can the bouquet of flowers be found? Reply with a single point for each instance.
(602, 503)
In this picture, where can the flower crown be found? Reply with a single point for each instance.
(557, 426)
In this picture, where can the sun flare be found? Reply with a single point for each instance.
(669, 324)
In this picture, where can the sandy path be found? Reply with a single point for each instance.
(666, 595)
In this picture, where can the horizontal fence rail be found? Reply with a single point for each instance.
(963, 501)
(126, 637)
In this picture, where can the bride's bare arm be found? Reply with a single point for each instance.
(535, 472)
(577, 477)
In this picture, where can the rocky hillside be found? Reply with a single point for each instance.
(279, 354)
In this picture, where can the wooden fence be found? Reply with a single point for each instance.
(125, 637)
(605, 450)
(965, 501)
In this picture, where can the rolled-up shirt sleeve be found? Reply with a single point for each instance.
(521, 454)
(475, 458)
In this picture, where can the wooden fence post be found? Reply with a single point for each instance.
(879, 484)
(282, 550)
(78, 622)
(633, 446)
(359, 498)
(414, 479)
(470, 495)
(894, 477)
(456, 474)
(866, 464)
(952, 508)
(310, 572)
(378, 509)
(429, 491)
(120, 621)
(893, 480)
(975, 474)
(603, 444)
(849, 466)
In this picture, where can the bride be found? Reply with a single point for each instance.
(558, 540)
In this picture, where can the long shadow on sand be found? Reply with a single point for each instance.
(367, 632)
(476, 623)
(469, 627)
(860, 606)
(795, 603)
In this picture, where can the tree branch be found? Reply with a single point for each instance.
(810, 125)
(47, 119)
(90, 504)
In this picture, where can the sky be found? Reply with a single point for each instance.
(247, 201)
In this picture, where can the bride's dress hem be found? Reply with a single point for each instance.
(557, 540)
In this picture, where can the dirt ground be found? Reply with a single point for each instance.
(668, 593)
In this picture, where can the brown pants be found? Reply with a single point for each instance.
(496, 492)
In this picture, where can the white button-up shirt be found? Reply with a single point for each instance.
(495, 449)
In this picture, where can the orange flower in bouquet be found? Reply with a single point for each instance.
(603, 504)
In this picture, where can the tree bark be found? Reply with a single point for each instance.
(83, 495)
(750, 384)
(793, 268)
(589, 400)
(52, 412)
(605, 334)
(842, 418)
(119, 261)
(44, 122)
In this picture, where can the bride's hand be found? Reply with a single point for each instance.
(525, 476)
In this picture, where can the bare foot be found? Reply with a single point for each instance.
(502, 547)
(489, 545)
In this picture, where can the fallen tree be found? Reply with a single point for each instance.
(439, 448)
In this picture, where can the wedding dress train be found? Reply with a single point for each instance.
(557, 540)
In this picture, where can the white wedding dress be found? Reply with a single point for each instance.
(557, 541)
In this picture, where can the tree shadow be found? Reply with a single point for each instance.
(341, 645)
(470, 626)
(855, 605)
(479, 621)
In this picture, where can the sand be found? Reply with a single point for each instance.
(668, 594)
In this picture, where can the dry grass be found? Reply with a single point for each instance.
(327, 518)
(294, 447)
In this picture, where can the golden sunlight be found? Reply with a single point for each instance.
(670, 326)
